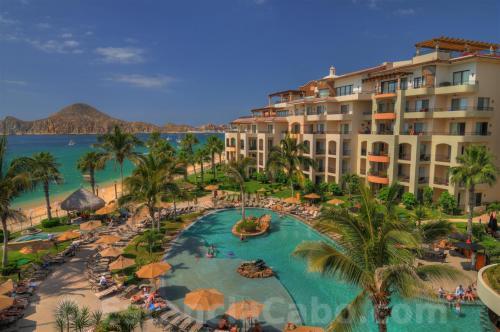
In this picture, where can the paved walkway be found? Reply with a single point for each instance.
(67, 281)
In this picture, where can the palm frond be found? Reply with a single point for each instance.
(350, 316)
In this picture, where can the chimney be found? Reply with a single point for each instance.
(332, 71)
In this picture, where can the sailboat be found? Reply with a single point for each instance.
(71, 142)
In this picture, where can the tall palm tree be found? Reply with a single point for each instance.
(236, 171)
(288, 157)
(44, 170)
(376, 254)
(187, 145)
(70, 317)
(202, 155)
(89, 163)
(119, 146)
(350, 183)
(150, 182)
(125, 321)
(158, 145)
(12, 184)
(215, 146)
(476, 167)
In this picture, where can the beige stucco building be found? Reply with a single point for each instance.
(406, 120)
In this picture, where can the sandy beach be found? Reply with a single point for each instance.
(36, 211)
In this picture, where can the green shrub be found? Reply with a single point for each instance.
(427, 196)
(493, 207)
(383, 193)
(447, 203)
(409, 200)
(248, 226)
(308, 186)
(335, 189)
(260, 176)
(11, 268)
(281, 177)
(49, 223)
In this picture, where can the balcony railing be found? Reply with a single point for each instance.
(346, 152)
(332, 170)
(252, 147)
(423, 179)
(447, 133)
(443, 158)
(447, 83)
(383, 132)
(404, 156)
(404, 178)
(378, 153)
(382, 174)
(467, 108)
(320, 151)
(367, 112)
(363, 152)
(425, 157)
(441, 181)
(332, 151)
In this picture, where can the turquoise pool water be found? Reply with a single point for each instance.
(295, 295)
(38, 236)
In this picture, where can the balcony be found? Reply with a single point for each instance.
(445, 158)
(404, 156)
(380, 179)
(403, 178)
(425, 157)
(320, 151)
(419, 91)
(383, 132)
(332, 170)
(332, 152)
(423, 180)
(384, 116)
(363, 152)
(449, 88)
(378, 157)
(252, 147)
(441, 181)
(465, 111)
(231, 148)
(346, 152)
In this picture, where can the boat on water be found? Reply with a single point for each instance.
(168, 138)
(71, 142)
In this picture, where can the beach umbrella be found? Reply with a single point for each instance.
(211, 187)
(7, 287)
(245, 309)
(335, 201)
(204, 299)
(108, 239)
(121, 263)
(153, 270)
(108, 209)
(82, 200)
(312, 196)
(5, 302)
(111, 252)
(292, 200)
(68, 235)
(90, 225)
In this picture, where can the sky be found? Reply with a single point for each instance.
(201, 61)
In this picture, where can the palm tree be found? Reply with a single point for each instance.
(125, 321)
(12, 184)
(70, 317)
(202, 155)
(288, 157)
(150, 182)
(350, 183)
(43, 169)
(376, 254)
(476, 167)
(187, 146)
(236, 171)
(157, 145)
(214, 145)
(89, 163)
(119, 146)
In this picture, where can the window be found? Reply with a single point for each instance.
(320, 109)
(482, 128)
(457, 128)
(418, 82)
(419, 127)
(324, 92)
(344, 109)
(422, 105)
(242, 144)
(282, 113)
(483, 103)
(254, 129)
(403, 83)
(458, 104)
(321, 128)
(343, 90)
(461, 77)
(344, 128)
(269, 144)
(477, 199)
(270, 129)
(388, 86)
(309, 110)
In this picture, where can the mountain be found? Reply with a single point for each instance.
(74, 119)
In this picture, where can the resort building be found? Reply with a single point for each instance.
(404, 121)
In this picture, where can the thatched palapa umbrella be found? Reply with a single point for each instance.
(90, 225)
(121, 263)
(82, 200)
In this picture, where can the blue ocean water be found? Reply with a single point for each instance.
(67, 157)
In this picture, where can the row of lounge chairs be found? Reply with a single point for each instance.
(171, 319)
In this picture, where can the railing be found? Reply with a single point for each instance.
(441, 181)
(332, 152)
(332, 170)
(320, 151)
(422, 110)
(321, 170)
(362, 171)
(423, 179)
(445, 133)
(367, 112)
(467, 108)
(252, 147)
(383, 132)
(383, 111)
(363, 152)
(404, 178)
(425, 157)
(382, 174)
(404, 156)
(378, 153)
(447, 83)
(346, 152)
(443, 158)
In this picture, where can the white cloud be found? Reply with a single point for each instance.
(404, 11)
(121, 54)
(66, 35)
(43, 25)
(57, 46)
(143, 81)
(89, 33)
(14, 82)
(7, 21)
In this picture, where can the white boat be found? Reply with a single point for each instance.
(168, 138)
(178, 141)
(71, 142)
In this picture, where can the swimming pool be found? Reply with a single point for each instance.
(295, 295)
(37, 236)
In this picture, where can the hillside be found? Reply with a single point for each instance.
(74, 119)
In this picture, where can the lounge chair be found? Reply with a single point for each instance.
(107, 292)
(196, 327)
(128, 292)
